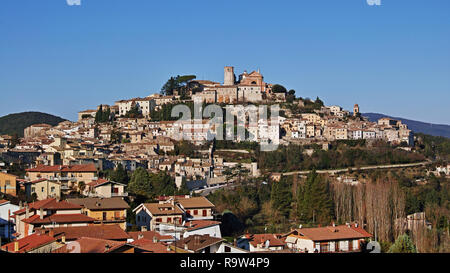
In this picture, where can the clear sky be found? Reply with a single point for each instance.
(392, 59)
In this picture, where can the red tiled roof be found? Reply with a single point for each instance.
(256, 239)
(29, 243)
(150, 246)
(49, 204)
(64, 168)
(59, 219)
(93, 245)
(3, 202)
(198, 224)
(148, 235)
(331, 233)
(107, 232)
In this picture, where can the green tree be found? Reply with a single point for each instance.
(403, 244)
(277, 88)
(140, 182)
(314, 200)
(119, 175)
(281, 196)
(162, 184)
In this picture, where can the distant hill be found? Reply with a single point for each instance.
(15, 123)
(416, 126)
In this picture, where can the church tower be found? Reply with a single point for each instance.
(355, 110)
(229, 75)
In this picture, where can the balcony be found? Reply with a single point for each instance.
(123, 194)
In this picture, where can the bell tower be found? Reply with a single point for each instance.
(228, 75)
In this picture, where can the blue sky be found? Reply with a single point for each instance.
(392, 59)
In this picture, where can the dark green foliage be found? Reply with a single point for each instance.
(343, 154)
(433, 146)
(314, 199)
(403, 244)
(103, 116)
(140, 182)
(119, 175)
(16, 123)
(277, 88)
(177, 83)
(281, 196)
(134, 112)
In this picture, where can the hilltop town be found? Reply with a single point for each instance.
(122, 179)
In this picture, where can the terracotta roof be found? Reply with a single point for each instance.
(100, 203)
(195, 202)
(59, 219)
(162, 209)
(256, 239)
(29, 243)
(107, 232)
(152, 247)
(3, 202)
(199, 224)
(198, 242)
(93, 245)
(49, 204)
(64, 168)
(149, 235)
(331, 233)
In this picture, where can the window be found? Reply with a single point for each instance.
(227, 249)
(104, 216)
(42, 189)
(52, 189)
(7, 182)
(33, 189)
(204, 212)
(195, 212)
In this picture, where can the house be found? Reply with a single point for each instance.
(150, 215)
(342, 238)
(200, 244)
(106, 232)
(228, 248)
(73, 175)
(106, 211)
(6, 222)
(43, 189)
(49, 213)
(196, 208)
(203, 227)
(34, 243)
(260, 242)
(105, 188)
(8, 184)
(95, 245)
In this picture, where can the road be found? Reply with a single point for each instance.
(424, 163)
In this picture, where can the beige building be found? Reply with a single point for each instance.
(43, 189)
(8, 184)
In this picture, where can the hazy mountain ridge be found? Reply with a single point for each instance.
(416, 126)
(16, 123)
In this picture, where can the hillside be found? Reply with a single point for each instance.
(16, 123)
(416, 126)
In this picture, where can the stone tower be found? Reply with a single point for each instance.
(355, 109)
(229, 75)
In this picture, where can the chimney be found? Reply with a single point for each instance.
(51, 233)
(16, 246)
(41, 213)
(143, 228)
(186, 247)
(155, 240)
(140, 236)
(63, 239)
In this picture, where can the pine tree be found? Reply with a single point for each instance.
(403, 244)
(314, 200)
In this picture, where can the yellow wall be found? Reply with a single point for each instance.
(8, 184)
